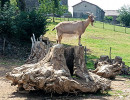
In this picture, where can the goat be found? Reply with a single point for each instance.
(73, 28)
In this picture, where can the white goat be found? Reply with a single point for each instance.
(73, 28)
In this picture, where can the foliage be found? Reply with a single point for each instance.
(124, 16)
(108, 19)
(28, 23)
(3, 2)
(52, 7)
(21, 25)
(7, 16)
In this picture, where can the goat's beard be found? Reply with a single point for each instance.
(92, 23)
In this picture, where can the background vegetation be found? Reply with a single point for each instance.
(124, 16)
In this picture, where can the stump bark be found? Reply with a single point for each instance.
(108, 68)
(61, 70)
(39, 49)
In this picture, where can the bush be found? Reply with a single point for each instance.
(21, 25)
(28, 23)
(7, 16)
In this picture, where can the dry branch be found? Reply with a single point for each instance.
(39, 49)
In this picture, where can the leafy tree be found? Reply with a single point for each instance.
(124, 16)
(3, 2)
(108, 19)
(28, 23)
(7, 16)
(52, 7)
(21, 25)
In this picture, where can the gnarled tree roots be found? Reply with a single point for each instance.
(108, 68)
(61, 70)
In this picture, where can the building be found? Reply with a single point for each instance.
(113, 13)
(80, 9)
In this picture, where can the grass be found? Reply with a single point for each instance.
(99, 41)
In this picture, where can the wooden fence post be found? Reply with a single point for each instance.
(125, 29)
(103, 24)
(110, 54)
(85, 49)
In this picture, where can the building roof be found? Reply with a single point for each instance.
(86, 2)
(111, 12)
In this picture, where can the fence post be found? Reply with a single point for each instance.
(125, 29)
(114, 25)
(110, 54)
(103, 24)
(85, 49)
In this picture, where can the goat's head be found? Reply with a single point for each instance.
(91, 18)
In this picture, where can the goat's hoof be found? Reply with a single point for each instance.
(80, 44)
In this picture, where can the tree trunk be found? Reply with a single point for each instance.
(61, 70)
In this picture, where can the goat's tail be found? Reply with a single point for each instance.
(53, 29)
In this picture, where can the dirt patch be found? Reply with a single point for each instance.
(120, 89)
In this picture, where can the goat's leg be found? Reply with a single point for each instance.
(79, 41)
(59, 39)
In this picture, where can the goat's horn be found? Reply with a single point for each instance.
(88, 13)
(95, 16)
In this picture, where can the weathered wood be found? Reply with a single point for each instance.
(52, 73)
(39, 49)
(108, 68)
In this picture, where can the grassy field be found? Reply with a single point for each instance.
(99, 41)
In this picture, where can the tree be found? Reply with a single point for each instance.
(3, 2)
(124, 16)
(21, 25)
(108, 19)
(52, 7)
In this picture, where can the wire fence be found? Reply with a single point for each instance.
(113, 27)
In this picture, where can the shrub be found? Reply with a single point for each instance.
(7, 16)
(28, 23)
(21, 25)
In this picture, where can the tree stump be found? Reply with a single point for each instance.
(108, 68)
(61, 70)
(39, 49)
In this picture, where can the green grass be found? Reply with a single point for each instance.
(99, 41)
